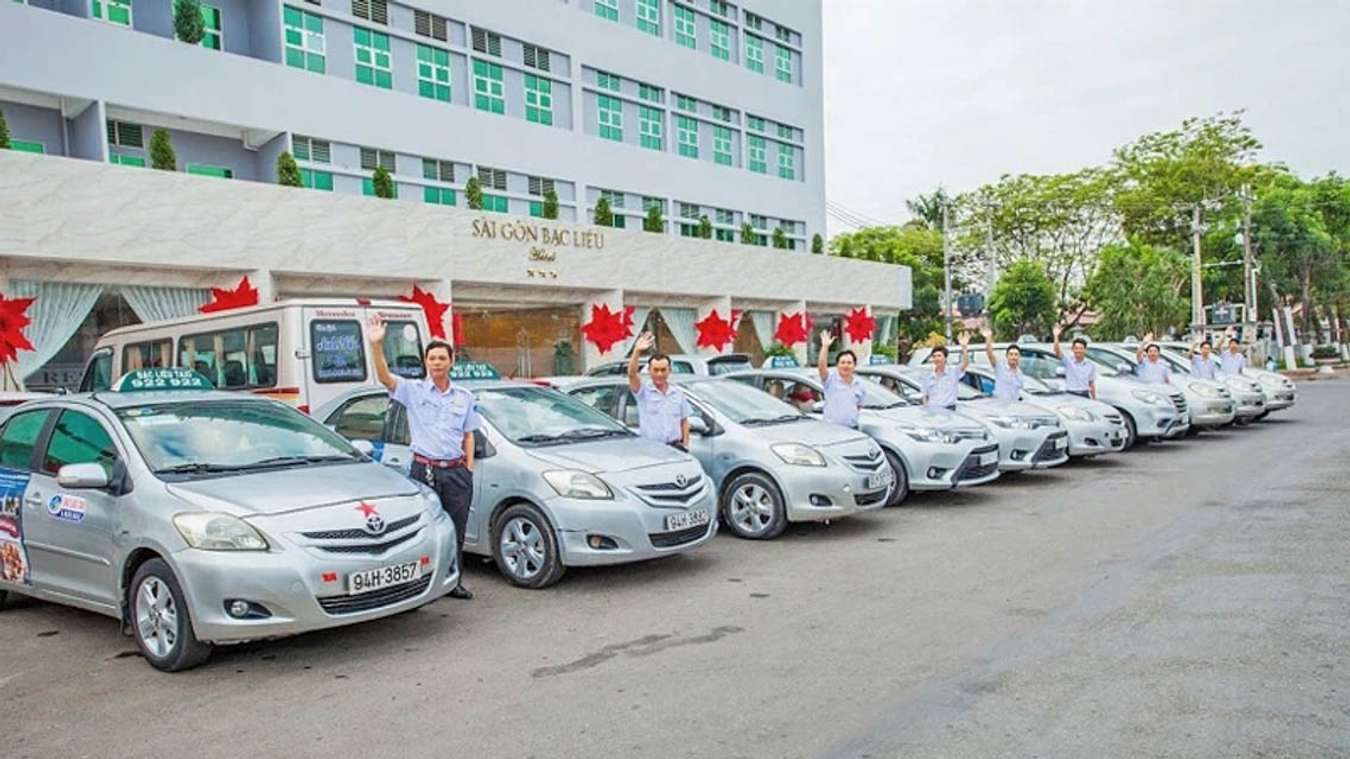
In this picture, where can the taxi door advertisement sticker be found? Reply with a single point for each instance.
(13, 556)
(67, 508)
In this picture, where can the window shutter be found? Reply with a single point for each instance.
(487, 42)
(536, 58)
(320, 151)
(376, 11)
(429, 25)
(369, 159)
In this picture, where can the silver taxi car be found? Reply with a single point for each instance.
(770, 463)
(1094, 428)
(556, 483)
(200, 517)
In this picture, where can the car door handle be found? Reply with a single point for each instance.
(34, 499)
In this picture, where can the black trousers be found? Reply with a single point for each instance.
(455, 489)
(1079, 393)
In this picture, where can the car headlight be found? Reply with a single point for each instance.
(1205, 390)
(1153, 399)
(929, 434)
(574, 483)
(212, 531)
(1074, 413)
(798, 454)
(1012, 422)
(432, 503)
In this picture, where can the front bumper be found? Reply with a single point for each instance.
(934, 466)
(1249, 405)
(1018, 449)
(1212, 412)
(1159, 422)
(1279, 400)
(834, 491)
(627, 529)
(302, 589)
(1094, 438)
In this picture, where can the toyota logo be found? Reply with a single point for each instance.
(374, 522)
(681, 480)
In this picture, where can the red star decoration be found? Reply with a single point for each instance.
(606, 327)
(628, 319)
(434, 310)
(244, 294)
(714, 331)
(792, 329)
(859, 325)
(13, 318)
(367, 509)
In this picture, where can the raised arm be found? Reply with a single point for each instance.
(989, 346)
(1056, 331)
(644, 343)
(823, 360)
(964, 339)
(375, 336)
(1143, 346)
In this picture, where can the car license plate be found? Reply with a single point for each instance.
(685, 520)
(880, 479)
(988, 458)
(383, 577)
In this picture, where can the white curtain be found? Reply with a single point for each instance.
(764, 325)
(640, 314)
(681, 322)
(155, 304)
(886, 330)
(56, 315)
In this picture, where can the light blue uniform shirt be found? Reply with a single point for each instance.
(437, 421)
(940, 389)
(1232, 363)
(660, 414)
(842, 399)
(1204, 368)
(1007, 383)
(1078, 375)
(1153, 371)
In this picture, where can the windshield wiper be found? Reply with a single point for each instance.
(591, 433)
(292, 460)
(753, 421)
(541, 439)
(195, 467)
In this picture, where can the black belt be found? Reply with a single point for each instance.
(1079, 393)
(439, 463)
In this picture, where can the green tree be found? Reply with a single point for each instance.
(4, 132)
(161, 151)
(188, 22)
(817, 244)
(705, 228)
(927, 209)
(1302, 230)
(748, 236)
(918, 248)
(1137, 289)
(1023, 301)
(653, 221)
(780, 240)
(550, 210)
(604, 216)
(288, 173)
(473, 194)
(383, 183)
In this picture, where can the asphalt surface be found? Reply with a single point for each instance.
(1190, 599)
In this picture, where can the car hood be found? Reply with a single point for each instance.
(920, 416)
(807, 431)
(293, 489)
(990, 407)
(608, 455)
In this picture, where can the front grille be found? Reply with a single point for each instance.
(867, 462)
(359, 534)
(870, 498)
(374, 549)
(1047, 451)
(375, 599)
(669, 495)
(971, 469)
(1179, 401)
(678, 537)
(969, 434)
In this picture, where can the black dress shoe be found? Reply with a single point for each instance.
(461, 593)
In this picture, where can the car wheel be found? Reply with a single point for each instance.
(161, 621)
(753, 508)
(901, 491)
(526, 547)
(1131, 431)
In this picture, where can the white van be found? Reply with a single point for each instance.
(304, 351)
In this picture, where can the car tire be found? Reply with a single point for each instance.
(161, 622)
(901, 491)
(525, 547)
(753, 507)
(1131, 431)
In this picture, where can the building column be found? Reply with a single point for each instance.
(722, 305)
(590, 354)
(863, 348)
(799, 307)
(262, 281)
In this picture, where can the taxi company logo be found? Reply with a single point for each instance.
(67, 508)
(374, 522)
(681, 480)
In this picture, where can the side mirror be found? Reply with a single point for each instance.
(1059, 371)
(366, 448)
(818, 407)
(1124, 368)
(698, 425)
(82, 477)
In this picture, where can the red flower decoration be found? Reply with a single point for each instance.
(714, 332)
(859, 325)
(792, 329)
(434, 310)
(244, 294)
(13, 318)
(607, 327)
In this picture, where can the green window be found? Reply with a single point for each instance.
(649, 16)
(787, 162)
(113, 11)
(443, 196)
(610, 115)
(79, 439)
(755, 123)
(725, 235)
(758, 155)
(127, 160)
(607, 9)
(24, 146)
(368, 187)
(783, 69)
(686, 33)
(785, 132)
(620, 221)
(719, 38)
(214, 37)
(304, 40)
(686, 103)
(487, 87)
(433, 73)
(649, 124)
(687, 130)
(203, 170)
(496, 203)
(537, 209)
(650, 93)
(722, 145)
(19, 438)
(316, 180)
(754, 53)
(538, 100)
(608, 81)
(373, 65)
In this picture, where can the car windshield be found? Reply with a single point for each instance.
(195, 438)
(876, 397)
(1034, 386)
(1177, 363)
(744, 404)
(720, 366)
(533, 416)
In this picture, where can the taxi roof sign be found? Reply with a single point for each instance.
(167, 378)
(782, 362)
(474, 370)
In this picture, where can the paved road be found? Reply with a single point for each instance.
(1189, 599)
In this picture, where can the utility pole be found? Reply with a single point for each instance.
(1248, 275)
(1197, 297)
(989, 251)
(946, 275)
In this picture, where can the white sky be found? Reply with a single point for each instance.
(958, 92)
